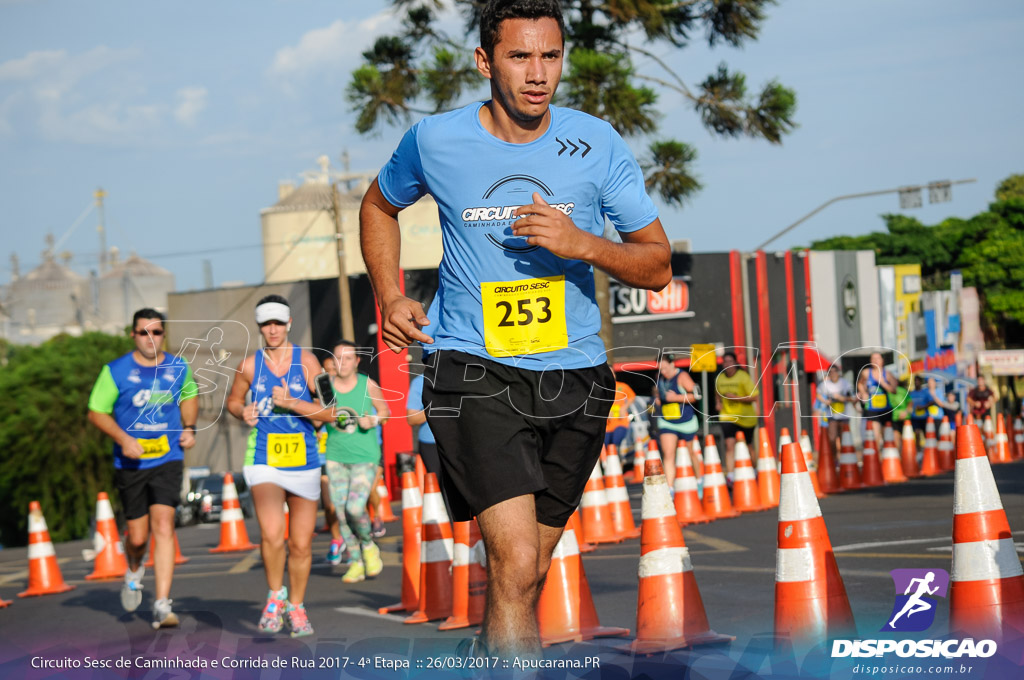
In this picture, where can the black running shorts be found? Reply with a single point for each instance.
(139, 489)
(504, 432)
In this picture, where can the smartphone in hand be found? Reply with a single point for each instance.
(324, 391)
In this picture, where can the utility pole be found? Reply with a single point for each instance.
(345, 301)
(99, 195)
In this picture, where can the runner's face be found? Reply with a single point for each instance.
(525, 68)
(148, 335)
(330, 367)
(274, 333)
(347, 360)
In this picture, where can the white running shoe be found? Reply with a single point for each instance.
(131, 591)
(163, 617)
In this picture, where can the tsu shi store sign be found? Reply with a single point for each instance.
(632, 304)
(701, 304)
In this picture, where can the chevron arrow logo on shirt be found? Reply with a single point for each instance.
(569, 143)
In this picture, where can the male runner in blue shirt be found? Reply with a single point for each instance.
(146, 402)
(523, 189)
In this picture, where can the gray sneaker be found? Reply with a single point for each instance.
(131, 591)
(163, 617)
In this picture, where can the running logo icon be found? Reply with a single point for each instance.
(914, 609)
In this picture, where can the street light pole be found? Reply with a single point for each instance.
(865, 194)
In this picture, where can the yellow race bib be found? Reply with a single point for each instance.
(155, 448)
(524, 317)
(838, 407)
(879, 401)
(321, 441)
(614, 412)
(672, 410)
(286, 450)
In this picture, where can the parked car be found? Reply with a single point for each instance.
(206, 497)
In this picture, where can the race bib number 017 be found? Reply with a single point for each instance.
(286, 450)
(524, 317)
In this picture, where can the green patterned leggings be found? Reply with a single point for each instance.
(350, 489)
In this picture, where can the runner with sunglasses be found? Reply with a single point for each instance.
(146, 402)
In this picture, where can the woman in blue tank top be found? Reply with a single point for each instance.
(282, 460)
(676, 395)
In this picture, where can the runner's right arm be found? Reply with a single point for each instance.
(236, 399)
(101, 406)
(381, 242)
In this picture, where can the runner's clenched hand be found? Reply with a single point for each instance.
(542, 225)
(402, 318)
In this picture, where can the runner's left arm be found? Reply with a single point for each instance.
(188, 402)
(381, 406)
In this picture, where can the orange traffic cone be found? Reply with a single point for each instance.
(178, 557)
(412, 528)
(5, 603)
(892, 465)
(767, 471)
(233, 536)
(386, 514)
(871, 468)
(565, 610)
(908, 451)
(670, 613)
(577, 525)
(958, 419)
(784, 439)
(287, 521)
(812, 465)
(638, 463)
(435, 558)
(44, 576)
(947, 455)
(970, 419)
(827, 480)
(987, 594)
(1001, 450)
(930, 459)
(698, 458)
(1018, 439)
(596, 515)
(469, 578)
(716, 495)
(421, 473)
(745, 495)
(849, 473)
(687, 502)
(618, 497)
(109, 561)
(989, 431)
(810, 599)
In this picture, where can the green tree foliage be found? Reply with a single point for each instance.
(987, 248)
(1010, 188)
(48, 450)
(420, 70)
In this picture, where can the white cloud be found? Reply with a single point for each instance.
(191, 102)
(94, 97)
(332, 48)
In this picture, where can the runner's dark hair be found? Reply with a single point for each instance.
(498, 11)
(147, 313)
(280, 299)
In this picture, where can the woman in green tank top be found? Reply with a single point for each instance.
(353, 453)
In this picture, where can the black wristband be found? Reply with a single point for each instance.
(189, 427)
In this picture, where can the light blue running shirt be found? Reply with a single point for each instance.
(498, 297)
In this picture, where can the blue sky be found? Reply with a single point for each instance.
(188, 114)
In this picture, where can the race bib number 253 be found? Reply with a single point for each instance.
(524, 317)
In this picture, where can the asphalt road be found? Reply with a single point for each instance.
(219, 597)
